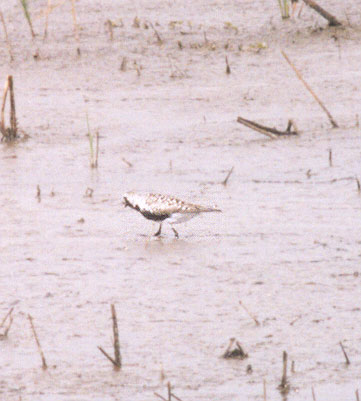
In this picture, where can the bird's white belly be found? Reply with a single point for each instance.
(177, 218)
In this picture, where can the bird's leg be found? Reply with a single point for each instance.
(157, 234)
(175, 232)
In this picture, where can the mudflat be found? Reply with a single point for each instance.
(151, 76)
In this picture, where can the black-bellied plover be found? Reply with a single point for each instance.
(163, 207)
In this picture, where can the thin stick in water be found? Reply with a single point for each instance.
(249, 313)
(224, 182)
(357, 395)
(117, 356)
(108, 356)
(44, 365)
(325, 14)
(330, 157)
(344, 353)
(299, 76)
(169, 391)
(313, 394)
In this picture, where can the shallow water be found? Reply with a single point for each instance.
(287, 243)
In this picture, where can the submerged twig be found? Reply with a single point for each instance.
(325, 14)
(307, 86)
(268, 131)
(44, 365)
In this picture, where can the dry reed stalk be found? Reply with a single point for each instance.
(156, 33)
(47, 12)
(24, 3)
(264, 390)
(330, 157)
(109, 357)
(6, 316)
(224, 182)
(313, 394)
(169, 387)
(116, 338)
(9, 134)
(249, 313)
(160, 396)
(75, 25)
(44, 365)
(299, 76)
(345, 354)
(284, 386)
(228, 68)
(330, 18)
(8, 44)
(357, 395)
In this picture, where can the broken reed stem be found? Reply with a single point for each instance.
(299, 76)
(330, 18)
(344, 353)
(284, 383)
(160, 396)
(159, 39)
(116, 338)
(357, 395)
(228, 68)
(6, 37)
(44, 365)
(2, 123)
(330, 157)
(249, 313)
(169, 391)
(9, 133)
(313, 394)
(224, 182)
(284, 9)
(108, 356)
(24, 3)
(13, 126)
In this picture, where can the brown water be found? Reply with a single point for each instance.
(287, 243)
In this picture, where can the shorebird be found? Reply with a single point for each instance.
(159, 208)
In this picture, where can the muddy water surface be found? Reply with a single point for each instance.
(287, 243)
